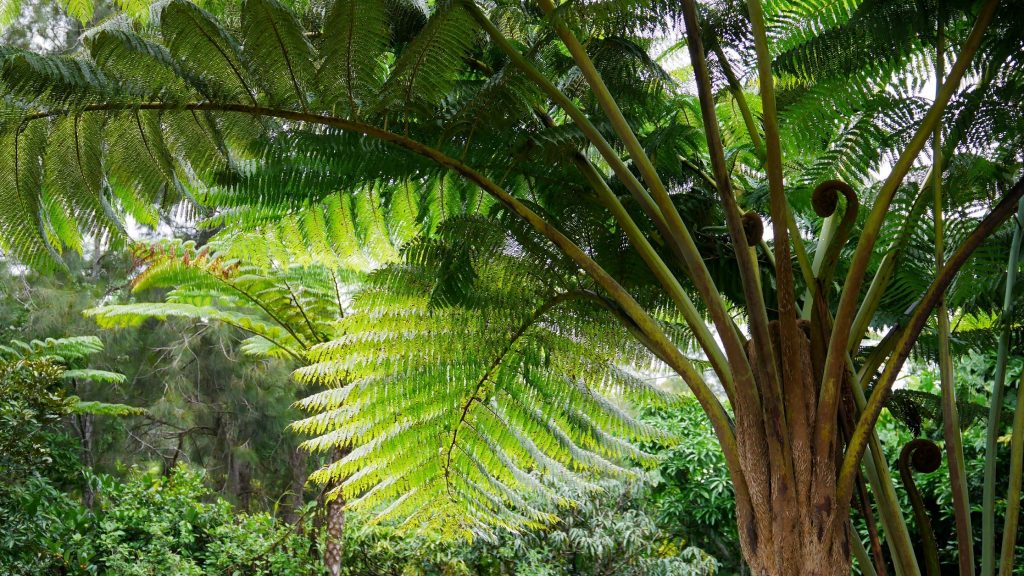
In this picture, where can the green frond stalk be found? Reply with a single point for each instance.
(749, 273)
(924, 525)
(950, 416)
(988, 512)
(908, 334)
(995, 405)
(1013, 491)
(681, 242)
(861, 554)
(677, 229)
(663, 274)
(839, 342)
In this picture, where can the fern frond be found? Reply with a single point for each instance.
(79, 406)
(352, 70)
(207, 51)
(425, 72)
(61, 350)
(93, 375)
(472, 387)
(276, 47)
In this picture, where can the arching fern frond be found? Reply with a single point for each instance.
(62, 350)
(454, 399)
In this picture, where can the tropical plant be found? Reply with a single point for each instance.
(692, 496)
(68, 358)
(147, 524)
(543, 143)
(613, 531)
(285, 301)
(564, 353)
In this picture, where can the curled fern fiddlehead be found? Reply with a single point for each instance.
(825, 200)
(921, 455)
(753, 228)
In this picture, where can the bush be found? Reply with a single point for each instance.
(146, 526)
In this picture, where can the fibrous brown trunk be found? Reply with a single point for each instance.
(333, 547)
(297, 465)
(334, 550)
(793, 531)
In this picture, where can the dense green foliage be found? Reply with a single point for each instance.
(148, 524)
(31, 402)
(477, 235)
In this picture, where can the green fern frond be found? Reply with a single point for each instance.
(275, 45)
(79, 406)
(207, 51)
(23, 232)
(426, 70)
(352, 71)
(476, 397)
(93, 375)
(126, 315)
(62, 350)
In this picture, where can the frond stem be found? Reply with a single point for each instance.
(841, 334)
(682, 241)
(905, 342)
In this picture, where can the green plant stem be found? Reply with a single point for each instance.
(742, 372)
(1013, 491)
(880, 281)
(995, 410)
(756, 311)
(897, 535)
(755, 139)
(753, 410)
(860, 553)
(829, 225)
(841, 335)
(780, 213)
(678, 237)
(661, 272)
(656, 264)
(789, 333)
(736, 89)
(909, 334)
(886, 267)
(877, 471)
(950, 415)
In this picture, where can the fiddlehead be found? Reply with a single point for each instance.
(921, 455)
(825, 200)
(753, 228)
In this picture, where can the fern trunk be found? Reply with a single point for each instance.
(334, 550)
(798, 532)
(334, 540)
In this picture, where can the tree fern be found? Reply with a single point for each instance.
(488, 349)
(67, 358)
